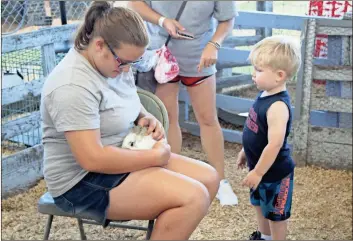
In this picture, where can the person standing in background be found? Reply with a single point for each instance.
(196, 58)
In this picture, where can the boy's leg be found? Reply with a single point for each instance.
(278, 229)
(263, 227)
(262, 223)
(276, 202)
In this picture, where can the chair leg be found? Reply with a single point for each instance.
(150, 229)
(82, 231)
(48, 227)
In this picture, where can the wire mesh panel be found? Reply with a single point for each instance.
(28, 15)
(18, 68)
(16, 111)
(13, 14)
(323, 129)
(27, 63)
(75, 10)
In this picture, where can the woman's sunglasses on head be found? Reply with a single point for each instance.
(121, 63)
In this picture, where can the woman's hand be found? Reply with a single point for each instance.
(163, 151)
(154, 126)
(172, 26)
(208, 58)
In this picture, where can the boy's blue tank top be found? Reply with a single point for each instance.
(255, 137)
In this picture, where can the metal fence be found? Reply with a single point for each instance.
(22, 16)
(20, 67)
(30, 14)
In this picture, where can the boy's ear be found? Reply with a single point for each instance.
(281, 75)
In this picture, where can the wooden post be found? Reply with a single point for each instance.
(300, 75)
(301, 126)
(268, 8)
(48, 58)
(48, 20)
(260, 6)
(265, 6)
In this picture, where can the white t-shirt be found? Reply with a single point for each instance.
(198, 18)
(77, 97)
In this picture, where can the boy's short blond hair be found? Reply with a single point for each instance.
(277, 53)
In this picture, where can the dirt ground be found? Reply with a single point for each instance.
(322, 208)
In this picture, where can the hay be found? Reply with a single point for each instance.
(10, 147)
(322, 208)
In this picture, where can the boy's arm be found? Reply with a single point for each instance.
(242, 153)
(277, 118)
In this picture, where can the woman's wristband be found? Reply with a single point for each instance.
(160, 21)
(215, 44)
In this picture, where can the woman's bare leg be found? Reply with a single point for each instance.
(203, 100)
(197, 170)
(178, 202)
(169, 93)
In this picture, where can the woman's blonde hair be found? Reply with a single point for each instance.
(115, 25)
(277, 53)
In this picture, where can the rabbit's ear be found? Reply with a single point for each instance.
(143, 131)
(136, 129)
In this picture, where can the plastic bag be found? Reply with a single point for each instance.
(148, 61)
(167, 67)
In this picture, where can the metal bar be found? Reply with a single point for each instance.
(82, 231)
(63, 12)
(150, 229)
(118, 225)
(48, 227)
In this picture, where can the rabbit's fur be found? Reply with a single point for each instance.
(138, 140)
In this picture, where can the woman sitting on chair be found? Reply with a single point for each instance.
(87, 111)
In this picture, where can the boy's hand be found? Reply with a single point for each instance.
(241, 161)
(252, 180)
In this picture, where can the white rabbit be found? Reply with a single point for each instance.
(138, 140)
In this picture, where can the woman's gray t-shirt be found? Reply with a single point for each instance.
(76, 97)
(198, 18)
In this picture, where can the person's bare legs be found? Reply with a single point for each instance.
(197, 170)
(147, 194)
(168, 93)
(278, 229)
(203, 100)
(262, 223)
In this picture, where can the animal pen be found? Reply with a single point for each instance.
(322, 130)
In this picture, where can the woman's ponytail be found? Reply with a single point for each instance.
(114, 24)
(95, 12)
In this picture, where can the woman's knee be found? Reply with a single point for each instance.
(173, 115)
(211, 180)
(198, 198)
(208, 118)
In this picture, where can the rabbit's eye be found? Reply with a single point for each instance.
(131, 144)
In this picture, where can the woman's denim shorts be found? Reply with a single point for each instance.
(91, 196)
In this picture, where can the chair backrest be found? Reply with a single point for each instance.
(154, 106)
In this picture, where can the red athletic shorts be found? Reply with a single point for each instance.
(189, 81)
